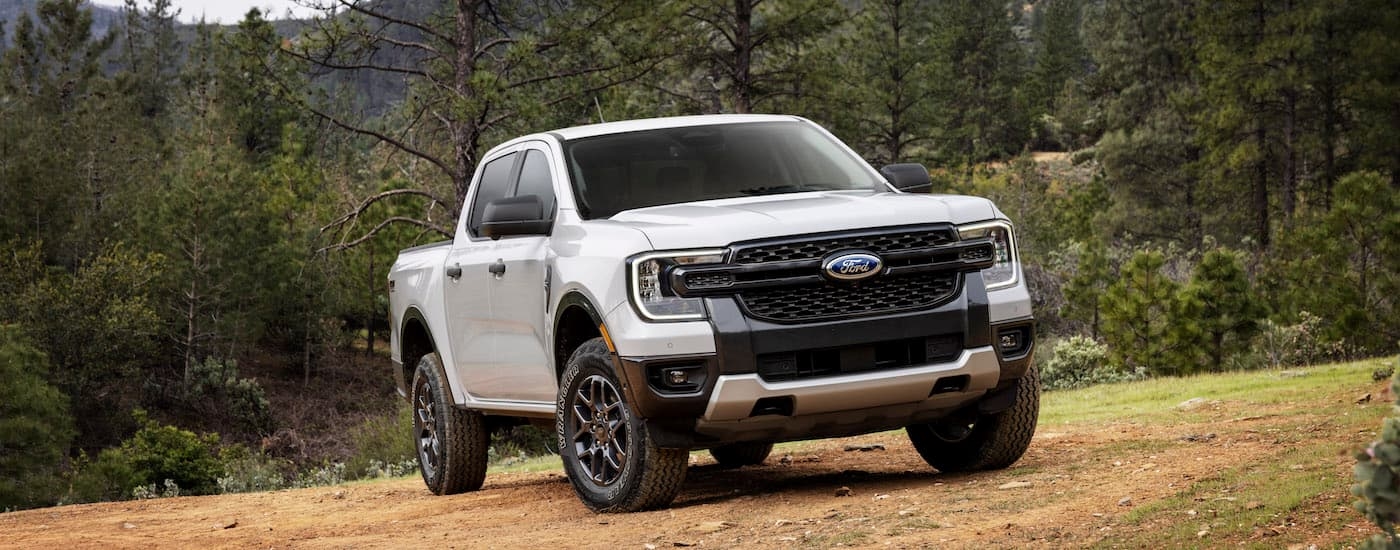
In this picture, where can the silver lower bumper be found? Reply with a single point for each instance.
(853, 403)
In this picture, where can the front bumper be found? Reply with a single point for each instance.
(745, 390)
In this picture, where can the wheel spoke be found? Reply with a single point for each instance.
(599, 431)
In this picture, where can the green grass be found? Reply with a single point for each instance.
(547, 463)
(1309, 414)
(1156, 400)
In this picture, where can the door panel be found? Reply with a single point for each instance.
(467, 298)
(522, 323)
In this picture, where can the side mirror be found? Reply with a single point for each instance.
(520, 215)
(908, 177)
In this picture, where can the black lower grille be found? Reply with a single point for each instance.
(814, 302)
(796, 365)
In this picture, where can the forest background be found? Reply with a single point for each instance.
(197, 220)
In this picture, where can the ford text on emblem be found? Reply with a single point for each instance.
(852, 266)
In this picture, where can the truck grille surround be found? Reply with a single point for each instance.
(782, 281)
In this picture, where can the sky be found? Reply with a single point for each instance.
(227, 12)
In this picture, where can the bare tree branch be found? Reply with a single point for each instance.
(365, 204)
(386, 223)
(355, 6)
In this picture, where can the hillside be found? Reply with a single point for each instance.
(1259, 459)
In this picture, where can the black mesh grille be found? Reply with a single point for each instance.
(898, 241)
(825, 301)
(708, 280)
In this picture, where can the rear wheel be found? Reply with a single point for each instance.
(452, 442)
(968, 442)
(611, 461)
(747, 453)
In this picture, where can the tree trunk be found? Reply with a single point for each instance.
(465, 132)
(743, 56)
(369, 318)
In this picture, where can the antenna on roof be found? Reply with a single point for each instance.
(599, 108)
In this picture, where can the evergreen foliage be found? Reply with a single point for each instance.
(1141, 313)
(35, 425)
(179, 203)
(1226, 310)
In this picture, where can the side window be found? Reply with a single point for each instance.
(495, 183)
(535, 180)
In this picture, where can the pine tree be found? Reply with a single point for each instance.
(980, 116)
(1059, 70)
(1140, 324)
(882, 102)
(1229, 312)
(1084, 290)
(1147, 87)
(35, 425)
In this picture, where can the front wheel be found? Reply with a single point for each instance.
(982, 442)
(611, 461)
(452, 442)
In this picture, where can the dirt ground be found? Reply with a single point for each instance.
(1077, 486)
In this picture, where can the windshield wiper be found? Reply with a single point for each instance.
(777, 189)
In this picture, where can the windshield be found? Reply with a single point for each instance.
(619, 172)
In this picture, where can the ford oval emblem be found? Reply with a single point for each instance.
(852, 266)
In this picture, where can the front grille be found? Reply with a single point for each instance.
(894, 354)
(896, 241)
(789, 304)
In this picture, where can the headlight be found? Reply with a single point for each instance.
(1002, 274)
(651, 291)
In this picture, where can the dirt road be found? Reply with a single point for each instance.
(1113, 484)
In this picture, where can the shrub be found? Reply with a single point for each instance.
(522, 442)
(215, 388)
(154, 454)
(1378, 478)
(246, 472)
(382, 444)
(1302, 343)
(1081, 362)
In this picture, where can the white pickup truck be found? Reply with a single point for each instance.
(725, 282)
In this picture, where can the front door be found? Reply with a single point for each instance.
(522, 323)
(467, 288)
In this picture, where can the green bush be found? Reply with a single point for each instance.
(35, 426)
(1081, 362)
(1378, 478)
(520, 442)
(247, 472)
(383, 443)
(215, 388)
(1302, 343)
(155, 454)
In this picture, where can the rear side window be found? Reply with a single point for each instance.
(535, 180)
(495, 183)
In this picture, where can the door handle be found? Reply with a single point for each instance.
(455, 272)
(498, 269)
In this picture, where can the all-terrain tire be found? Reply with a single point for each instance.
(608, 455)
(747, 453)
(452, 442)
(990, 442)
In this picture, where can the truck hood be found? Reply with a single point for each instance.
(720, 222)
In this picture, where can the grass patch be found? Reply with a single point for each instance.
(1239, 501)
(1156, 400)
(547, 463)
